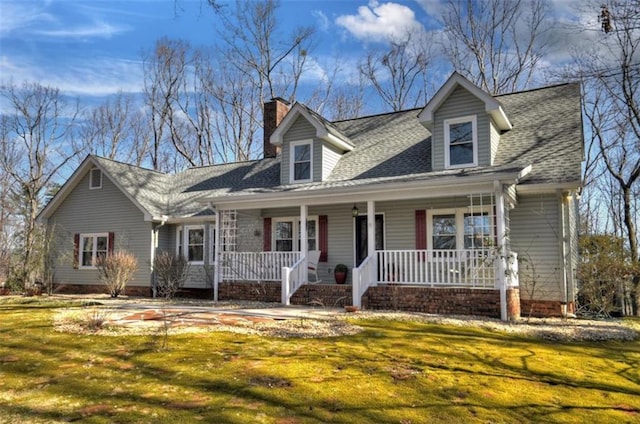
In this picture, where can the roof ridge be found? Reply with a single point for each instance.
(376, 115)
(528, 90)
(98, 157)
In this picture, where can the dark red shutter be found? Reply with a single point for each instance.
(266, 234)
(76, 250)
(421, 232)
(421, 229)
(323, 237)
(111, 243)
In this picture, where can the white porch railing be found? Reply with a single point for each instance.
(450, 268)
(292, 279)
(364, 277)
(255, 266)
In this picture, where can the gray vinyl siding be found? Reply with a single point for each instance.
(100, 211)
(200, 276)
(535, 237)
(328, 160)
(459, 104)
(301, 129)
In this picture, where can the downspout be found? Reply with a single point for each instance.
(154, 248)
(216, 256)
(501, 230)
(563, 252)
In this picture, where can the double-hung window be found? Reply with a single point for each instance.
(461, 142)
(454, 229)
(190, 243)
(301, 159)
(92, 248)
(285, 229)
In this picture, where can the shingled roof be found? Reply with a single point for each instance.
(392, 147)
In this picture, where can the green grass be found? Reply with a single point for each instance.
(393, 372)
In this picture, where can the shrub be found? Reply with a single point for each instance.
(116, 270)
(171, 273)
(605, 274)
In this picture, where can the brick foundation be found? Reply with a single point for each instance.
(544, 308)
(262, 292)
(328, 295)
(433, 300)
(444, 301)
(99, 289)
(513, 304)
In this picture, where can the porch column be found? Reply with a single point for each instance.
(371, 228)
(304, 244)
(501, 249)
(216, 256)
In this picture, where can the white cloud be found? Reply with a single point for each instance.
(78, 77)
(322, 20)
(25, 20)
(18, 16)
(97, 29)
(378, 22)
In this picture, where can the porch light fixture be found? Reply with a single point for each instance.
(355, 211)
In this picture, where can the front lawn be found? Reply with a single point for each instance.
(392, 372)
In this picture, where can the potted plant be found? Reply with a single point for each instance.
(340, 273)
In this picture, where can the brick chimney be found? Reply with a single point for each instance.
(273, 113)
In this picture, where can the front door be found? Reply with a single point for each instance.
(362, 240)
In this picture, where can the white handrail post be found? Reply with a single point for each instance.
(501, 268)
(285, 285)
(356, 284)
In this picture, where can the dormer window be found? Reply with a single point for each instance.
(95, 179)
(301, 161)
(461, 142)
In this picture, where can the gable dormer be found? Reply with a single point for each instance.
(310, 146)
(465, 124)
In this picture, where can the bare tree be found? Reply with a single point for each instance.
(273, 61)
(399, 75)
(37, 143)
(496, 44)
(111, 130)
(163, 73)
(610, 73)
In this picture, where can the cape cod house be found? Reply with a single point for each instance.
(468, 205)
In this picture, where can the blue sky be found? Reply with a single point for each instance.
(93, 48)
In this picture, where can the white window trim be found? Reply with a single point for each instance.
(292, 149)
(295, 229)
(447, 140)
(212, 241)
(91, 186)
(185, 242)
(459, 213)
(93, 250)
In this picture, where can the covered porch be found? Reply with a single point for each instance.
(460, 244)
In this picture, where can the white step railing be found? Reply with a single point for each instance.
(255, 266)
(292, 279)
(451, 268)
(363, 277)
